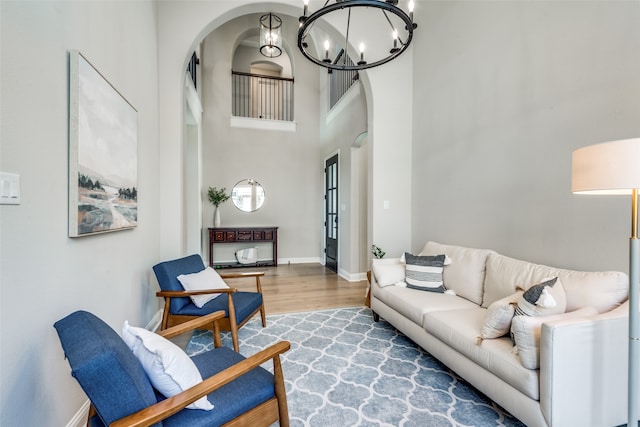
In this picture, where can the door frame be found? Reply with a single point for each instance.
(324, 208)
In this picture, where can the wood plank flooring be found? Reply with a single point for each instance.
(302, 287)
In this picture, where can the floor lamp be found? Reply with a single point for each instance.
(614, 168)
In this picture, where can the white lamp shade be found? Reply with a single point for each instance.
(607, 168)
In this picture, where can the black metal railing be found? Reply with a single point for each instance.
(262, 97)
(340, 81)
(192, 69)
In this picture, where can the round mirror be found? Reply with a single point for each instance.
(248, 195)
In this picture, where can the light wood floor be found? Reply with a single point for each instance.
(302, 287)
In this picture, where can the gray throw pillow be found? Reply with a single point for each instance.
(424, 272)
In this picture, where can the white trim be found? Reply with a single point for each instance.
(80, 418)
(307, 260)
(154, 323)
(357, 277)
(250, 123)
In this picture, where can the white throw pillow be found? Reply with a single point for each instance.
(205, 279)
(388, 274)
(526, 330)
(169, 368)
(498, 318)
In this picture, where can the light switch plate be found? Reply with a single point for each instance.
(9, 189)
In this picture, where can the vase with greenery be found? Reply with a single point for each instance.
(217, 196)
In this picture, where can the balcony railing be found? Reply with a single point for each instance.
(340, 81)
(192, 69)
(262, 97)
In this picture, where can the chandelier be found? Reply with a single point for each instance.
(270, 35)
(380, 28)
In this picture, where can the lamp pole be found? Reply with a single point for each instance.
(634, 275)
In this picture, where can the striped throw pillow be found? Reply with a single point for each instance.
(424, 272)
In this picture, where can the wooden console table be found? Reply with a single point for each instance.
(243, 235)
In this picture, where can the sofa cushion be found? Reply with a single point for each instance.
(413, 304)
(526, 330)
(465, 275)
(460, 329)
(424, 273)
(542, 299)
(497, 321)
(602, 290)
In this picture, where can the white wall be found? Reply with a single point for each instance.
(504, 92)
(44, 274)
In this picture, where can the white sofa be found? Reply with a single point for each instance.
(582, 374)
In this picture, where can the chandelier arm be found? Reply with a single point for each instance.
(346, 38)
(384, 12)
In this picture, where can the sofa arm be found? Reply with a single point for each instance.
(583, 369)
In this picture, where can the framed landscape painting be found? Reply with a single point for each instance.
(103, 153)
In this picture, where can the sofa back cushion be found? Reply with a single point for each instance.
(602, 290)
(465, 274)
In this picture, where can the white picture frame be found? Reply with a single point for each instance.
(103, 153)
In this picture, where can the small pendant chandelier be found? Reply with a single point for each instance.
(366, 21)
(270, 35)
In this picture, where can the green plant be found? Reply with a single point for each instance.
(218, 196)
(377, 252)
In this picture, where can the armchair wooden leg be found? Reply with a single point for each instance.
(234, 337)
(263, 316)
(281, 392)
(165, 314)
(217, 342)
(232, 324)
(263, 312)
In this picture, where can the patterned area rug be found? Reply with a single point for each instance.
(344, 369)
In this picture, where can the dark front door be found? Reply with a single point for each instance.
(331, 209)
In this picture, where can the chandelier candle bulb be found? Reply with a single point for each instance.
(362, 61)
(326, 51)
(306, 8)
(395, 42)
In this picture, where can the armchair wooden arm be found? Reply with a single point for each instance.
(191, 325)
(172, 405)
(239, 275)
(182, 294)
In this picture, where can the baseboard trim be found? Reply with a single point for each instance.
(356, 277)
(80, 418)
(308, 260)
(154, 323)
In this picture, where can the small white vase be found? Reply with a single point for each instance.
(216, 218)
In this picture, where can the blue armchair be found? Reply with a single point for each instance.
(239, 307)
(121, 394)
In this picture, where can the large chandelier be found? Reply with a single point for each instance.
(270, 35)
(381, 30)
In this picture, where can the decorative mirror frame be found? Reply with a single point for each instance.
(248, 195)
